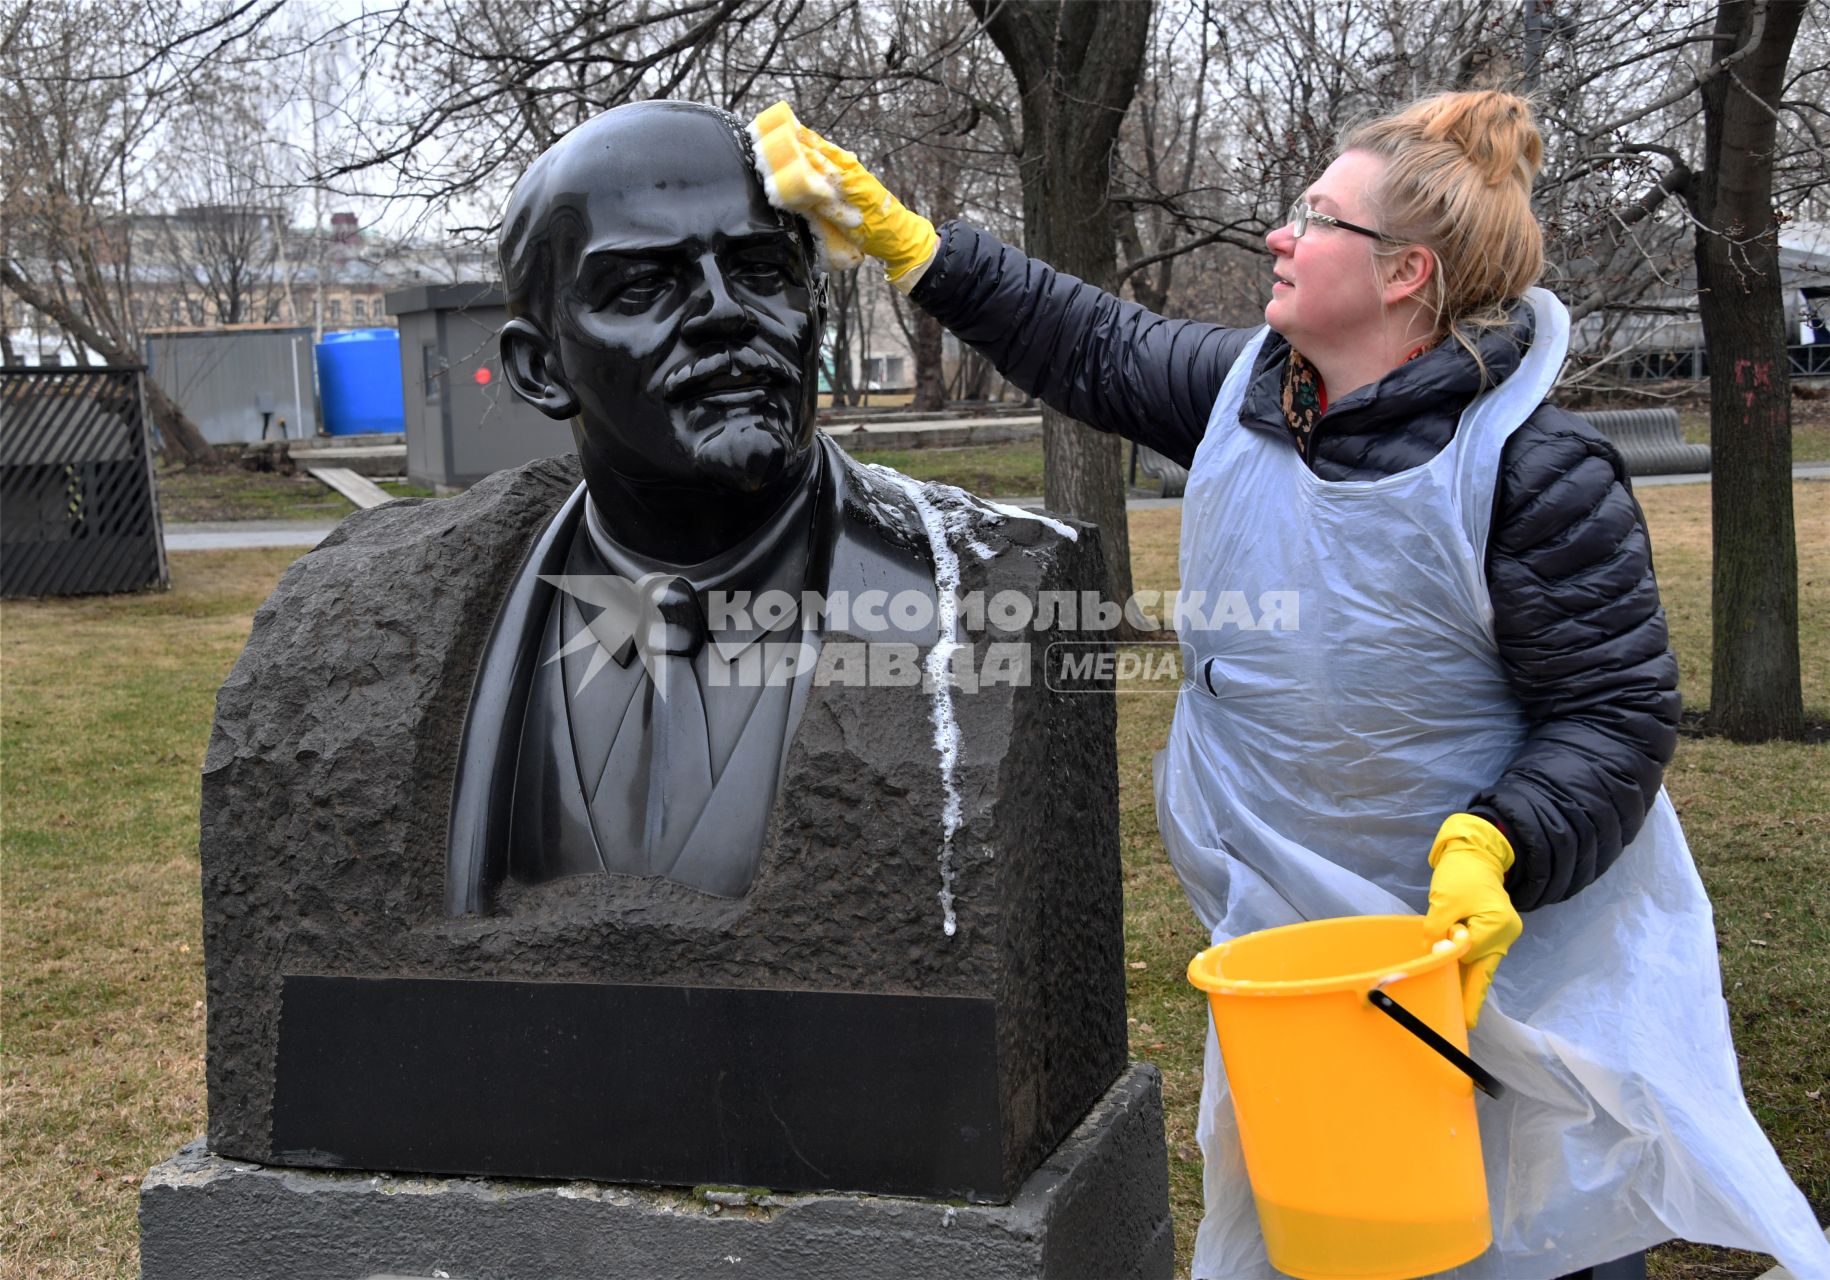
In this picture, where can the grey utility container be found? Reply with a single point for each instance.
(236, 381)
(463, 422)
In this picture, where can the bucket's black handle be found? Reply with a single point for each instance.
(1424, 1032)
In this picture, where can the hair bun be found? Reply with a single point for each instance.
(1494, 130)
(1457, 180)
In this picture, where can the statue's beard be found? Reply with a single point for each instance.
(751, 449)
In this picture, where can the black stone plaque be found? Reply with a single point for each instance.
(793, 1090)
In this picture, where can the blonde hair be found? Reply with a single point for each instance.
(1457, 181)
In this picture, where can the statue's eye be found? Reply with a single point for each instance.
(639, 288)
(758, 272)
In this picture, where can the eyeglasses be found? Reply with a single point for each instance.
(1301, 215)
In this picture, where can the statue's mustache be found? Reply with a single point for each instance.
(726, 371)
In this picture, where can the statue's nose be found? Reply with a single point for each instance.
(718, 313)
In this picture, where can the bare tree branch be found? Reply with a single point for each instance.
(1697, 81)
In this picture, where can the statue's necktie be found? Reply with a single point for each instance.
(679, 757)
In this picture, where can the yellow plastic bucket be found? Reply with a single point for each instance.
(1360, 1139)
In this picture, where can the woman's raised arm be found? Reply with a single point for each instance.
(1111, 364)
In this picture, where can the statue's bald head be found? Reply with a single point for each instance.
(621, 164)
(664, 306)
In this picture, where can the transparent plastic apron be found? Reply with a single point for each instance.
(1345, 697)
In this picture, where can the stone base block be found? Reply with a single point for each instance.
(1097, 1208)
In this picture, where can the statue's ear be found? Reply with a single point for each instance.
(529, 363)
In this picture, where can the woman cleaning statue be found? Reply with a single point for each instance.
(1474, 715)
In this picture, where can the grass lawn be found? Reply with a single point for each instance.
(105, 713)
(1810, 429)
(230, 493)
(106, 710)
(1810, 423)
(403, 489)
(1011, 470)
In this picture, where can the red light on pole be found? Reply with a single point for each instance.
(483, 376)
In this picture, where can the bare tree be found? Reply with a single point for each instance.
(221, 249)
(1076, 67)
(1160, 154)
(226, 259)
(7, 354)
(80, 114)
(1708, 114)
(914, 89)
(480, 89)
(1755, 691)
(841, 328)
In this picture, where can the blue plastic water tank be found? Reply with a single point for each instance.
(359, 382)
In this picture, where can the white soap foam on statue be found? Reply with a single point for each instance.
(941, 528)
(964, 508)
(1067, 531)
(935, 668)
(959, 531)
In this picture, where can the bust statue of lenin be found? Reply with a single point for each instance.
(754, 932)
(659, 302)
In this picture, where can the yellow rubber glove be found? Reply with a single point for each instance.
(1470, 860)
(808, 175)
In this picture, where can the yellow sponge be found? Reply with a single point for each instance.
(797, 178)
(842, 253)
(792, 174)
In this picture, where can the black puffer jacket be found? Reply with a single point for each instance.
(1576, 608)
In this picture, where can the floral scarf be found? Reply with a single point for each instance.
(1305, 399)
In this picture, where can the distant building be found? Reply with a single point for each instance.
(211, 267)
(1664, 339)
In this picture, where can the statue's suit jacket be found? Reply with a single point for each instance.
(866, 535)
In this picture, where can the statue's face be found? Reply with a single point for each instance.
(685, 323)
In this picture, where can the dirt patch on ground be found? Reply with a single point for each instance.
(1695, 724)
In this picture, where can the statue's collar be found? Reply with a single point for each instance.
(774, 559)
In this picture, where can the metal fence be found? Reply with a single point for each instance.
(78, 514)
(1810, 362)
(1807, 361)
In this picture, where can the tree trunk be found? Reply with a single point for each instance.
(1754, 691)
(176, 429)
(926, 344)
(843, 293)
(972, 378)
(930, 380)
(1076, 67)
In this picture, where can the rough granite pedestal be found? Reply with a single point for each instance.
(902, 1004)
(1096, 1208)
